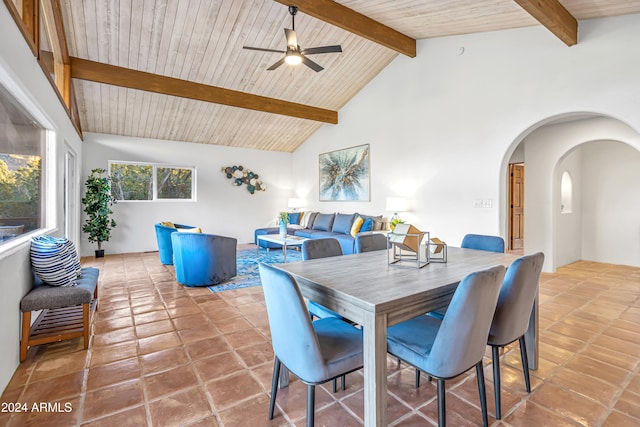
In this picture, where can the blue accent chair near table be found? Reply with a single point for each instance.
(315, 352)
(511, 319)
(204, 259)
(483, 242)
(449, 347)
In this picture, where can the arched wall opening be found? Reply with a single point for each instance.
(609, 152)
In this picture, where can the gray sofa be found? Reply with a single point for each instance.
(317, 225)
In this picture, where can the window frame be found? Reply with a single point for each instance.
(154, 178)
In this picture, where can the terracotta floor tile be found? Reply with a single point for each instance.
(234, 324)
(114, 337)
(253, 412)
(192, 321)
(223, 313)
(395, 408)
(617, 419)
(179, 409)
(52, 389)
(115, 372)
(198, 333)
(158, 342)
(112, 353)
(232, 390)
(458, 412)
(529, 414)
(163, 360)
(256, 354)
(570, 405)
(154, 328)
(629, 404)
(131, 417)
(112, 399)
(169, 382)
(221, 365)
(65, 364)
(244, 338)
(54, 413)
(207, 348)
(101, 326)
(586, 385)
(151, 316)
(605, 372)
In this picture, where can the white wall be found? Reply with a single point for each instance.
(22, 75)
(611, 203)
(442, 126)
(221, 208)
(569, 235)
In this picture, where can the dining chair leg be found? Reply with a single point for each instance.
(335, 385)
(274, 386)
(417, 377)
(442, 415)
(495, 355)
(483, 393)
(525, 363)
(311, 403)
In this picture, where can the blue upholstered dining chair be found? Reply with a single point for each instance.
(315, 352)
(203, 259)
(163, 236)
(449, 347)
(513, 311)
(483, 243)
(370, 242)
(321, 248)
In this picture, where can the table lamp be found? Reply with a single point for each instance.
(295, 203)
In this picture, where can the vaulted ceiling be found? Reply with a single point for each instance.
(177, 70)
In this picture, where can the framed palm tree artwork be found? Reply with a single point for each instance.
(344, 174)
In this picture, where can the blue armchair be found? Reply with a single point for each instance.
(163, 235)
(203, 259)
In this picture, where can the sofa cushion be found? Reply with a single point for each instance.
(342, 223)
(367, 225)
(294, 217)
(309, 218)
(323, 222)
(357, 224)
(377, 221)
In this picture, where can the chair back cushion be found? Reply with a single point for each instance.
(515, 302)
(293, 338)
(370, 242)
(461, 340)
(203, 259)
(320, 248)
(483, 243)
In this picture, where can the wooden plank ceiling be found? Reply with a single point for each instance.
(201, 41)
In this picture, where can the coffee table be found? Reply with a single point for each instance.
(284, 241)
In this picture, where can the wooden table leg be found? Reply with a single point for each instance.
(375, 370)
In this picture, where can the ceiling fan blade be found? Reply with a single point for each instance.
(323, 49)
(292, 39)
(262, 49)
(276, 65)
(309, 63)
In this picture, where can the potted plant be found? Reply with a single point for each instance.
(283, 220)
(97, 205)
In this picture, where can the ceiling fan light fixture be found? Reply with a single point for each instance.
(293, 58)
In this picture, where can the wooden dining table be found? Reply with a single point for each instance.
(367, 290)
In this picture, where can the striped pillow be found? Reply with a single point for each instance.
(55, 260)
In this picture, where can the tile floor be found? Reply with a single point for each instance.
(164, 355)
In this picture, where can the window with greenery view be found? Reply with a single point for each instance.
(22, 150)
(147, 181)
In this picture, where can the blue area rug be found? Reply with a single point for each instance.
(248, 272)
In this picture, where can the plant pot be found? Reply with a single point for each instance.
(100, 253)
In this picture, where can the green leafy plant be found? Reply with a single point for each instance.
(284, 216)
(394, 222)
(97, 205)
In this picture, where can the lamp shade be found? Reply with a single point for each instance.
(397, 204)
(295, 203)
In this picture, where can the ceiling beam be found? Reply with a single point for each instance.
(125, 77)
(555, 17)
(356, 23)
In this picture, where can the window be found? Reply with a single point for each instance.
(566, 193)
(22, 156)
(148, 181)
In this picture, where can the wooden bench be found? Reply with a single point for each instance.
(66, 311)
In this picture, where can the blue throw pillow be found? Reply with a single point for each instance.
(323, 222)
(55, 261)
(367, 225)
(342, 223)
(294, 217)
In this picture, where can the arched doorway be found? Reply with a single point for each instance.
(545, 147)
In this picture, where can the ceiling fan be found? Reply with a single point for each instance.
(294, 54)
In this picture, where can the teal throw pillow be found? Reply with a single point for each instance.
(367, 225)
(294, 217)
